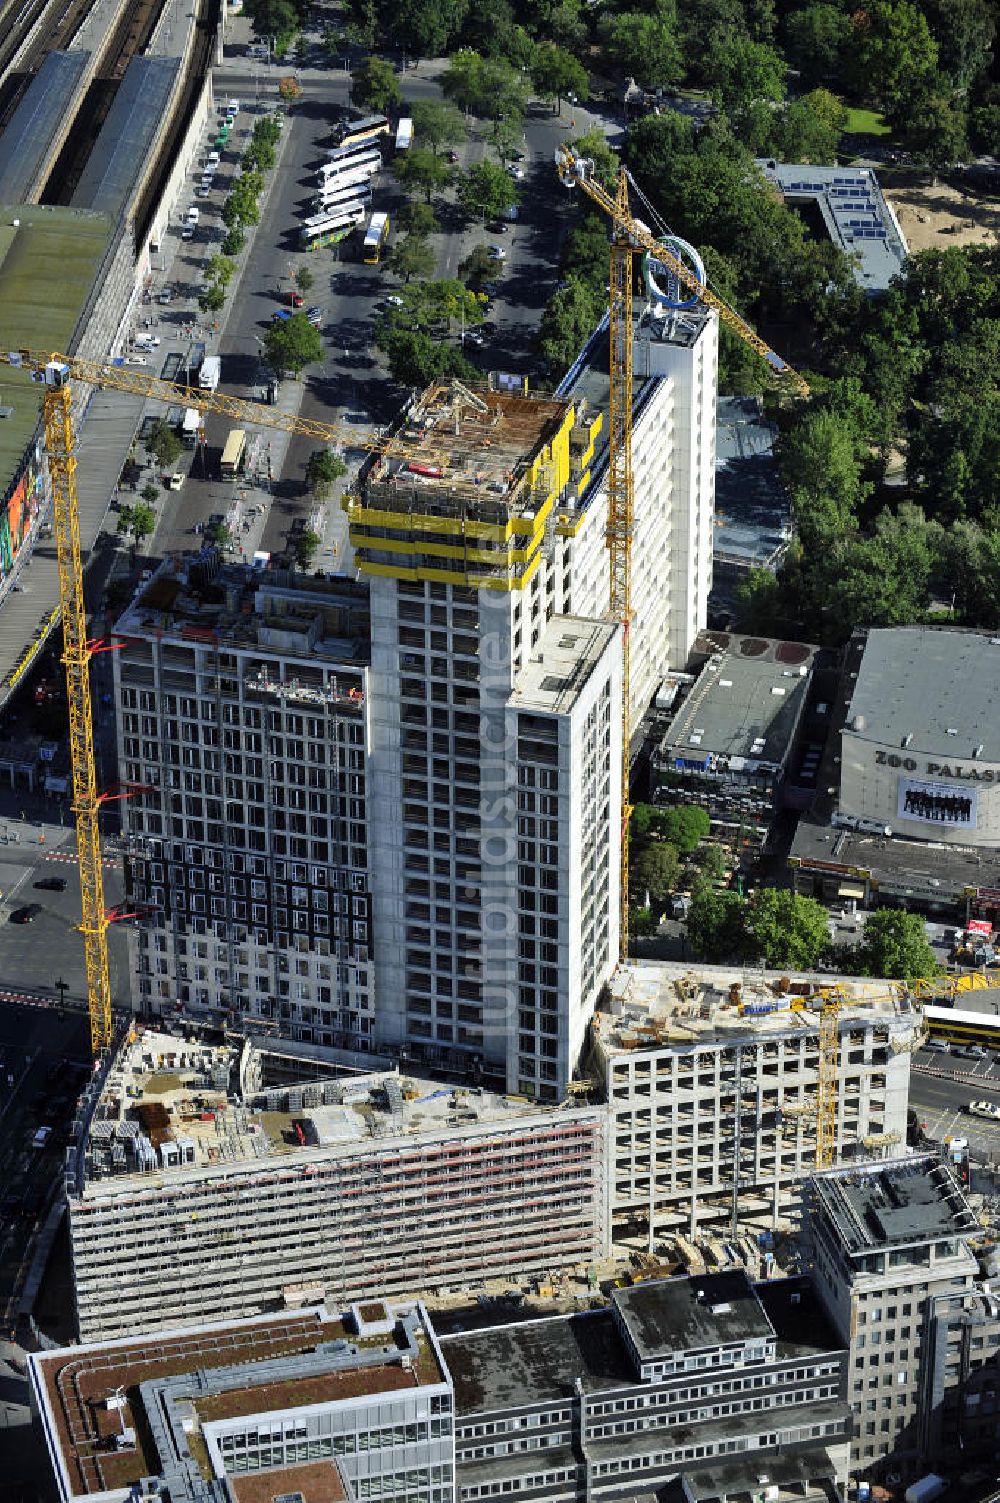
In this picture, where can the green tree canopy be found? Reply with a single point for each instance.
(478, 266)
(418, 219)
(816, 40)
(272, 18)
(895, 946)
(715, 923)
(220, 269)
(644, 46)
(307, 543)
(416, 358)
(211, 298)
(304, 278)
(656, 870)
(420, 169)
(411, 256)
(783, 929)
(436, 123)
(374, 86)
(555, 73)
(485, 86)
(568, 322)
(163, 444)
(137, 522)
(684, 825)
(895, 56)
(486, 190)
(323, 471)
(291, 344)
(820, 459)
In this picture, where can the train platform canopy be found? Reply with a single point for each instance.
(31, 140)
(49, 260)
(126, 141)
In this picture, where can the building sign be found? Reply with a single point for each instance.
(979, 926)
(937, 769)
(936, 803)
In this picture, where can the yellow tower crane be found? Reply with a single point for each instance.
(630, 237)
(58, 374)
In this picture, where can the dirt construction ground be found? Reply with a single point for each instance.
(932, 217)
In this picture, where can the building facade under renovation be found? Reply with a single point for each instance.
(200, 1191)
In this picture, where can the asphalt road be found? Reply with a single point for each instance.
(941, 1104)
(350, 386)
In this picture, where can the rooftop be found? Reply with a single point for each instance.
(124, 145)
(312, 1481)
(29, 141)
(800, 1323)
(857, 217)
(175, 1385)
(569, 651)
(665, 1005)
(752, 512)
(921, 871)
(744, 708)
(169, 1107)
(536, 1362)
(455, 449)
(908, 1202)
(688, 1314)
(914, 682)
(49, 258)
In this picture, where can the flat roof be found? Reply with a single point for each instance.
(536, 1362)
(904, 1203)
(124, 145)
(49, 259)
(745, 705)
(314, 1481)
(27, 143)
(567, 654)
(753, 518)
(855, 213)
(801, 1324)
(915, 869)
(173, 1107)
(936, 685)
(686, 1314)
(663, 1004)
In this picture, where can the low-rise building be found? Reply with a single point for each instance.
(711, 1387)
(730, 742)
(889, 1241)
(712, 1081)
(209, 1182)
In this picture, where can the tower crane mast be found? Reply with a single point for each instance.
(629, 237)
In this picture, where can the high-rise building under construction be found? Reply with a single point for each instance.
(383, 814)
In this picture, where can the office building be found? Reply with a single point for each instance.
(888, 1242)
(711, 1387)
(209, 1181)
(960, 1376)
(731, 740)
(712, 1081)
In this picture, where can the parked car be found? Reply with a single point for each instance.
(453, 155)
(27, 914)
(167, 295)
(315, 316)
(296, 299)
(984, 1109)
(192, 217)
(516, 172)
(212, 161)
(52, 884)
(280, 315)
(175, 481)
(498, 253)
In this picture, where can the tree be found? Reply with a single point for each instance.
(220, 534)
(428, 27)
(436, 123)
(741, 71)
(163, 444)
(291, 344)
(410, 257)
(374, 86)
(484, 85)
(593, 145)
(712, 863)
(211, 298)
(260, 156)
(896, 57)
(420, 169)
(684, 825)
(289, 89)
(555, 73)
(644, 46)
(478, 266)
(656, 870)
(641, 822)
(267, 130)
(307, 544)
(715, 923)
(895, 946)
(234, 240)
(220, 269)
(137, 522)
(304, 278)
(816, 42)
(783, 929)
(418, 219)
(822, 468)
(486, 190)
(272, 18)
(416, 358)
(150, 493)
(810, 128)
(935, 130)
(323, 471)
(568, 322)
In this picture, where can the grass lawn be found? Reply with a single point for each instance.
(865, 123)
